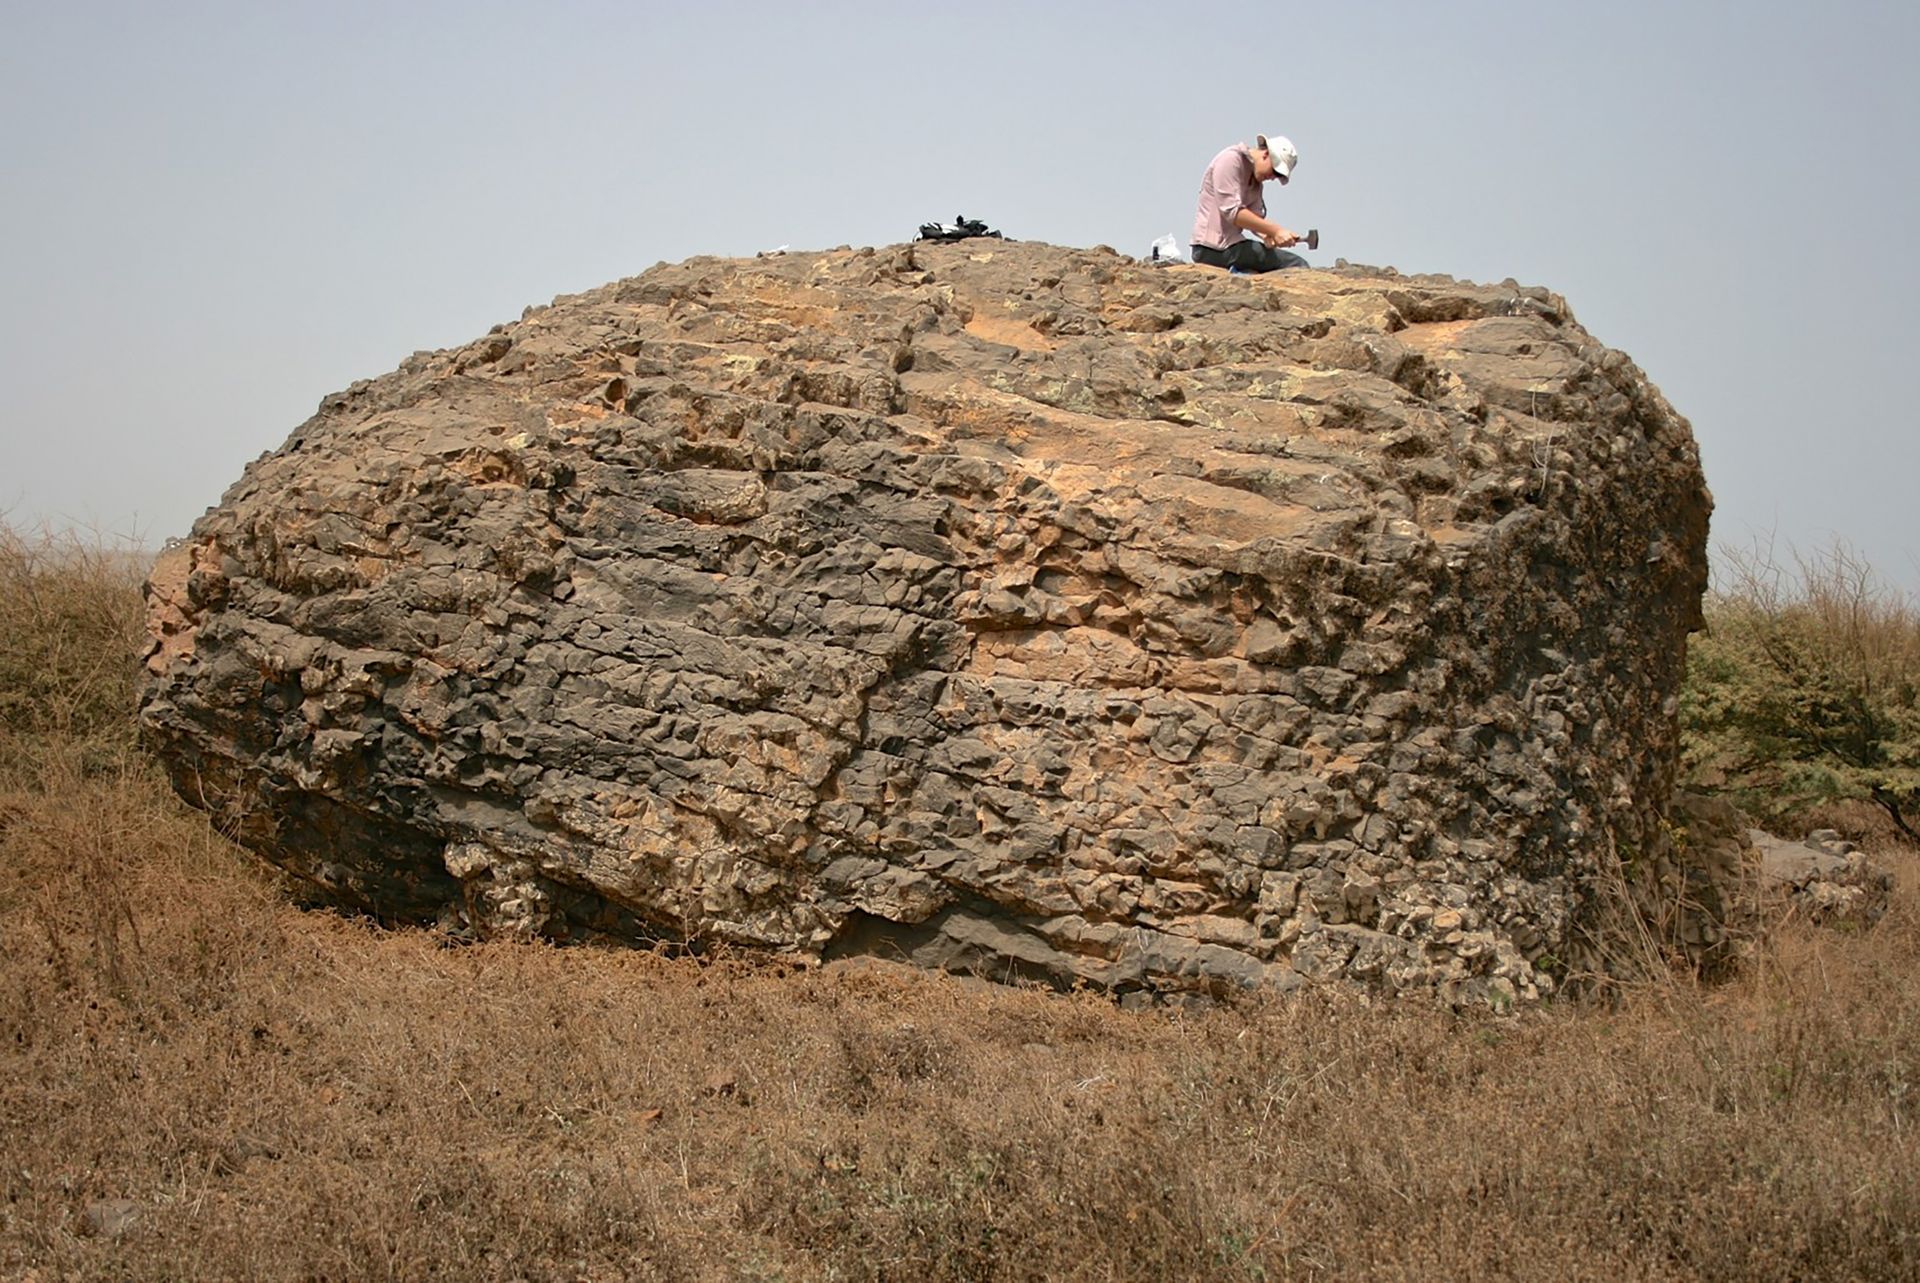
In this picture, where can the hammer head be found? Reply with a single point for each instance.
(1313, 238)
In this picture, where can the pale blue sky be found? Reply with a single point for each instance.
(217, 213)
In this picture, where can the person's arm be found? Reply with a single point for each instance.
(1267, 230)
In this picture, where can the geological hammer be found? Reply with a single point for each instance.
(1312, 239)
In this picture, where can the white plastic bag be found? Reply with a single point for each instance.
(1168, 250)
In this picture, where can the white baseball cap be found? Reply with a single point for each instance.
(1285, 155)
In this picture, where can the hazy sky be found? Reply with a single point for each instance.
(215, 214)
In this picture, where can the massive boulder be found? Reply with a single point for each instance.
(1001, 606)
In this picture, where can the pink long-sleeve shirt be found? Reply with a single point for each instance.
(1227, 187)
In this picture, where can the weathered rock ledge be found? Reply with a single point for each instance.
(991, 605)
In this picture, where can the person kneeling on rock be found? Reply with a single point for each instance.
(1233, 204)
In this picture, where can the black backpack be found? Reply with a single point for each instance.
(960, 229)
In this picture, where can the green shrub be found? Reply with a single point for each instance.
(1805, 688)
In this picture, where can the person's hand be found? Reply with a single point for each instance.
(1283, 239)
(1269, 240)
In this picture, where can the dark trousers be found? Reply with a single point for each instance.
(1247, 256)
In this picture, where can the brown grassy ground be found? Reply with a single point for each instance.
(283, 1094)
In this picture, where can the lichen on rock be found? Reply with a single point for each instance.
(1023, 609)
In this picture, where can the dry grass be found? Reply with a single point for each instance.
(69, 609)
(294, 1095)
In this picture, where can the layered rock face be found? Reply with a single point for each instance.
(1003, 606)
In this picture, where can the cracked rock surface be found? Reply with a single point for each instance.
(998, 606)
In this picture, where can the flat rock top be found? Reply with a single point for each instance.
(1294, 406)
